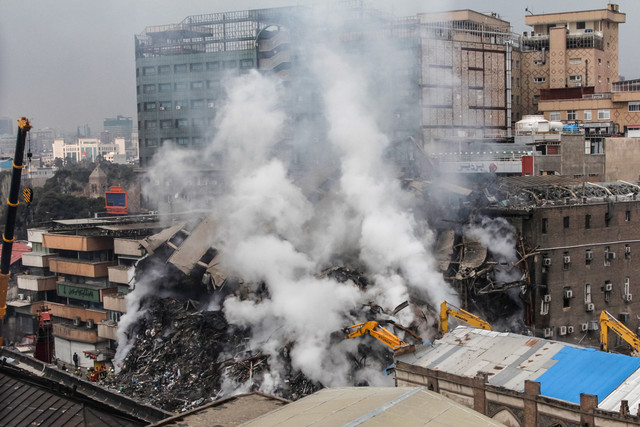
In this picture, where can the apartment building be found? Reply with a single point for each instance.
(571, 49)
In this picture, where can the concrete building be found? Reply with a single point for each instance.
(6, 126)
(524, 381)
(87, 149)
(571, 49)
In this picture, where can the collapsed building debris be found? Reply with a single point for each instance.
(182, 357)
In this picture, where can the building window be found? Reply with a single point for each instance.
(555, 116)
(539, 79)
(576, 78)
(148, 71)
(246, 63)
(627, 252)
(196, 67)
(197, 85)
(164, 69)
(587, 293)
(545, 225)
(165, 105)
(149, 89)
(627, 215)
(166, 141)
(580, 25)
(599, 61)
(587, 114)
(166, 124)
(180, 68)
(599, 79)
(607, 288)
(565, 222)
(634, 106)
(211, 103)
(212, 66)
(183, 141)
(197, 103)
(575, 61)
(567, 294)
(180, 86)
(544, 307)
(596, 145)
(164, 87)
(230, 64)
(608, 256)
(150, 124)
(199, 122)
(182, 123)
(566, 261)
(604, 115)
(149, 106)
(181, 105)
(572, 115)
(608, 64)
(150, 142)
(587, 221)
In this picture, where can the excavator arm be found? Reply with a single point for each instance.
(607, 321)
(460, 314)
(374, 329)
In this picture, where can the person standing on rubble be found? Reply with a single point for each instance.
(75, 360)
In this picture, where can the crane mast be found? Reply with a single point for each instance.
(8, 236)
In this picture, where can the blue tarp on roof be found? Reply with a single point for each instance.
(585, 370)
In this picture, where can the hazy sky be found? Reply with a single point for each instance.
(64, 63)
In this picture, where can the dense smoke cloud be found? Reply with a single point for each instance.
(270, 231)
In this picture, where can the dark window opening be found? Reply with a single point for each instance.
(545, 225)
(565, 222)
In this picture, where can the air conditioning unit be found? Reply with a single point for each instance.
(589, 306)
(76, 321)
(546, 298)
(608, 287)
(210, 105)
(178, 107)
(548, 332)
(563, 330)
(568, 293)
(589, 255)
(28, 298)
(593, 325)
(21, 297)
(611, 255)
(569, 329)
(90, 323)
(584, 327)
(162, 108)
(566, 259)
(627, 297)
(546, 261)
(627, 250)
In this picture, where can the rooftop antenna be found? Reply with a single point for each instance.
(526, 9)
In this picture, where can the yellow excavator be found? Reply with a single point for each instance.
(607, 321)
(374, 329)
(447, 310)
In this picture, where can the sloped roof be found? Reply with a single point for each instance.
(563, 370)
(373, 406)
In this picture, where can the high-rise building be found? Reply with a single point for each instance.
(119, 127)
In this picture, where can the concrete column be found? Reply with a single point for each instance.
(531, 393)
(479, 393)
(588, 402)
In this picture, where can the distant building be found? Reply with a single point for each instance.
(84, 131)
(87, 149)
(119, 127)
(41, 140)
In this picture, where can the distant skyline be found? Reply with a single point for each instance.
(68, 63)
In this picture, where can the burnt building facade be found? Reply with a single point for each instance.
(582, 243)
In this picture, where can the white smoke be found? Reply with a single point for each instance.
(499, 237)
(269, 231)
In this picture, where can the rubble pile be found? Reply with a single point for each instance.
(182, 356)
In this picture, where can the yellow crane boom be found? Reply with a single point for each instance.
(460, 314)
(607, 321)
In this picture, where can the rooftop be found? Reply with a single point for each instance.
(563, 370)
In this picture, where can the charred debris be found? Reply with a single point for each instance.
(186, 354)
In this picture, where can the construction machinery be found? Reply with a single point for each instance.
(607, 321)
(7, 237)
(447, 310)
(374, 329)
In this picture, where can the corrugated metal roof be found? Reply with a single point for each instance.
(563, 370)
(374, 406)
